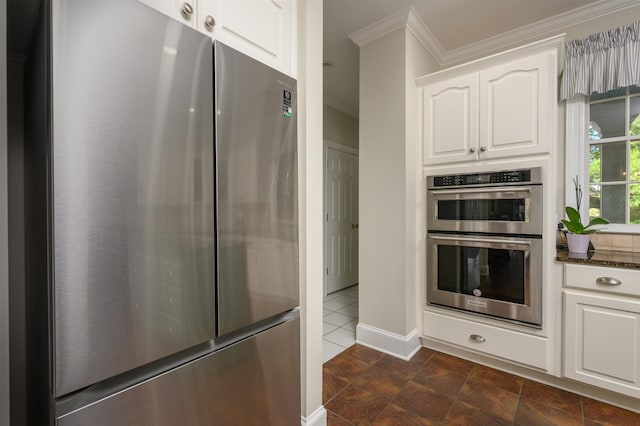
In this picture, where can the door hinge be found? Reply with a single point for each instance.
(327, 270)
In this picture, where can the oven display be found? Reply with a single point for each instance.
(512, 176)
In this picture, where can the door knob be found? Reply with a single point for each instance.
(209, 22)
(187, 10)
(472, 150)
(483, 148)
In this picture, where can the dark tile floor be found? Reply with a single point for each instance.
(362, 386)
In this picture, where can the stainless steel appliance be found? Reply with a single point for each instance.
(484, 244)
(163, 198)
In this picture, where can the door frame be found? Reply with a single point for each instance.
(328, 144)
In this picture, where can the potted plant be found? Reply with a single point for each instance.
(578, 236)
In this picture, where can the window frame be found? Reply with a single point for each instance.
(577, 161)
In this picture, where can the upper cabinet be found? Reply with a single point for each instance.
(451, 120)
(501, 106)
(262, 29)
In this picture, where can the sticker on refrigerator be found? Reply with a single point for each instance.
(286, 103)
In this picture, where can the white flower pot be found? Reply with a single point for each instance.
(578, 243)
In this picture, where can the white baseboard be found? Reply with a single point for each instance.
(403, 347)
(317, 418)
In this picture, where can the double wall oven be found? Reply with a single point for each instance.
(484, 244)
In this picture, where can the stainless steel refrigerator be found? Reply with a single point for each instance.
(164, 225)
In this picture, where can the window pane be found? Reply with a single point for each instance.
(634, 175)
(595, 96)
(634, 204)
(614, 162)
(613, 203)
(595, 170)
(634, 120)
(594, 201)
(609, 117)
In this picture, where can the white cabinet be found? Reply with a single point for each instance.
(183, 11)
(451, 120)
(517, 108)
(510, 345)
(502, 107)
(602, 328)
(262, 29)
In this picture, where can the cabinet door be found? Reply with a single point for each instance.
(262, 29)
(517, 107)
(450, 120)
(177, 9)
(602, 342)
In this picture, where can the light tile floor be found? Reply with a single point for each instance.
(339, 321)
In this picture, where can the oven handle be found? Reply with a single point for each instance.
(484, 240)
(504, 190)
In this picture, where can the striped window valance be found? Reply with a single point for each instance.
(602, 62)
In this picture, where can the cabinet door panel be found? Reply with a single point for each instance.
(173, 8)
(450, 120)
(262, 29)
(602, 342)
(516, 112)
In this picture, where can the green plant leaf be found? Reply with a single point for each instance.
(573, 214)
(598, 221)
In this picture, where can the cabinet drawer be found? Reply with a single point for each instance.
(586, 277)
(507, 344)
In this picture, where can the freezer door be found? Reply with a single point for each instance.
(132, 189)
(256, 167)
(254, 382)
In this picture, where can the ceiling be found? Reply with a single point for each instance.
(459, 29)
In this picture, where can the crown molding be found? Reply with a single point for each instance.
(380, 28)
(410, 19)
(340, 107)
(407, 18)
(417, 26)
(538, 29)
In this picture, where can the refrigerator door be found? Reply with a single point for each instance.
(254, 382)
(256, 167)
(132, 189)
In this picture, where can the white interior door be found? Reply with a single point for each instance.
(341, 215)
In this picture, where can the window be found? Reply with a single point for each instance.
(613, 135)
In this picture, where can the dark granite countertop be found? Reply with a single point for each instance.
(615, 259)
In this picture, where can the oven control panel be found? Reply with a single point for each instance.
(523, 176)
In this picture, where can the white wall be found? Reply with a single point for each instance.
(418, 63)
(4, 254)
(311, 206)
(340, 127)
(382, 184)
(389, 189)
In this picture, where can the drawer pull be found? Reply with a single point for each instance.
(477, 338)
(608, 281)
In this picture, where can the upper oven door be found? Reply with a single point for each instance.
(503, 210)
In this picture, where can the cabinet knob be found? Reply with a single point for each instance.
(472, 150)
(608, 281)
(483, 148)
(477, 338)
(187, 10)
(209, 22)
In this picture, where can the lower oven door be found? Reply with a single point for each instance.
(496, 276)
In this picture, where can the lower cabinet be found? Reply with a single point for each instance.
(509, 345)
(602, 341)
